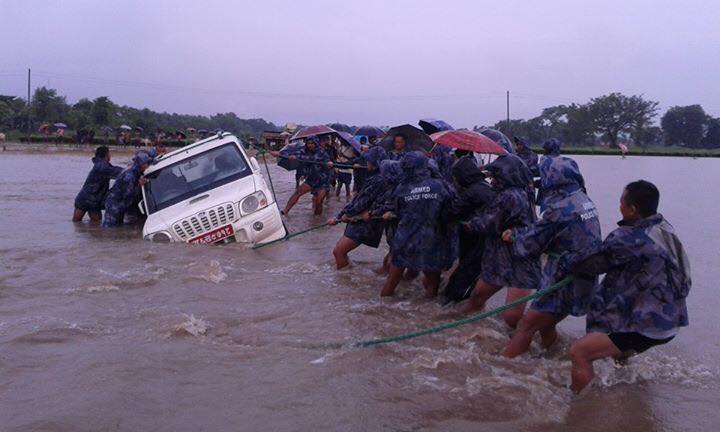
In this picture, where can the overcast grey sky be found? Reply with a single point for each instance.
(375, 62)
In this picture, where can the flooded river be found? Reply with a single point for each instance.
(100, 330)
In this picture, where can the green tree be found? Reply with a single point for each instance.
(684, 125)
(712, 136)
(616, 113)
(47, 106)
(103, 111)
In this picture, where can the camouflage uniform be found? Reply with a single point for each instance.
(647, 278)
(528, 156)
(552, 149)
(473, 194)
(97, 183)
(419, 201)
(569, 223)
(392, 176)
(511, 209)
(396, 155)
(444, 160)
(313, 166)
(124, 192)
(367, 232)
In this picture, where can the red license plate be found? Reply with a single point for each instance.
(214, 236)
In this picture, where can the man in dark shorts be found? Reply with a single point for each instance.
(91, 197)
(641, 301)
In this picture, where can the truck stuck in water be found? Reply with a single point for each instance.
(209, 192)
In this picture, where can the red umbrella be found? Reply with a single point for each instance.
(467, 140)
(312, 130)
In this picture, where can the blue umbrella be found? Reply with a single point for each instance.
(431, 126)
(499, 138)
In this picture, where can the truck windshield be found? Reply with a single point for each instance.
(194, 175)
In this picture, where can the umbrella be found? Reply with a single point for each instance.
(467, 140)
(340, 127)
(139, 129)
(125, 127)
(180, 133)
(499, 138)
(60, 125)
(369, 131)
(43, 128)
(106, 129)
(310, 131)
(350, 140)
(191, 130)
(416, 139)
(202, 131)
(430, 126)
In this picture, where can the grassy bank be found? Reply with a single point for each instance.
(650, 151)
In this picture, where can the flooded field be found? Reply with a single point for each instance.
(100, 330)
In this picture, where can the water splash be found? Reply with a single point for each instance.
(192, 326)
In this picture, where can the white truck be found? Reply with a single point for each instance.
(209, 192)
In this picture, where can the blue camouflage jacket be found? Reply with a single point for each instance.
(367, 232)
(313, 167)
(647, 279)
(530, 158)
(418, 241)
(511, 209)
(92, 195)
(569, 223)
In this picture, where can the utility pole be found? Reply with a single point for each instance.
(508, 111)
(28, 108)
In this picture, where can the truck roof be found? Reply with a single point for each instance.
(191, 149)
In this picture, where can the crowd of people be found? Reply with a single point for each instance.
(442, 213)
(520, 222)
(123, 197)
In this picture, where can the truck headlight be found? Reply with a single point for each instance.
(160, 237)
(253, 203)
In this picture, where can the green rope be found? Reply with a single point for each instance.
(453, 324)
(289, 236)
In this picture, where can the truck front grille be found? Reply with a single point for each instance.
(204, 221)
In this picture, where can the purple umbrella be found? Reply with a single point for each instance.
(312, 131)
(431, 126)
(350, 140)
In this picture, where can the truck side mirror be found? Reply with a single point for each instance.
(255, 164)
(141, 207)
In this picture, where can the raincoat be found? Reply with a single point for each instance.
(473, 194)
(96, 186)
(647, 279)
(568, 223)
(419, 201)
(124, 192)
(367, 232)
(511, 209)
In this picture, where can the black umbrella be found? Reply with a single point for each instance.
(370, 131)
(415, 138)
(340, 127)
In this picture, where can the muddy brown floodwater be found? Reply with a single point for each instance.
(100, 330)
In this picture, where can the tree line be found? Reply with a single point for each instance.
(48, 107)
(606, 120)
(616, 118)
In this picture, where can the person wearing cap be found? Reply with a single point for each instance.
(522, 150)
(125, 190)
